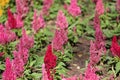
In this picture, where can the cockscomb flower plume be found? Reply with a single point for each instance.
(38, 22)
(61, 20)
(6, 35)
(90, 73)
(26, 41)
(99, 7)
(115, 47)
(74, 9)
(60, 38)
(22, 7)
(50, 62)
(18, 64)
(8, 74)
(46, 6)
(12, 23)
(99, 38)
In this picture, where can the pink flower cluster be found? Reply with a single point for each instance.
(46, 6)
(99, 7)
(115, 47)
(99, 39)
(14, 21)
(25, 41)
(22, 7)
(90, 73)
(44, 73)
(38, 22)
(6, 35)
(60, 37)
(61, 20)
(8, 74)
(74, 9)
(50, 62)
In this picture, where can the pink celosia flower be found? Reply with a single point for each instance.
(46, 6)
(8, 74)
(18, 64)
(94, 54)
(19, 20)
(115, 48)
(74, 9)
(22, 7)
(71, 78)
(118, 5)
(50, 62)
(26, 41)
(60, 38)
(44, 73)
(12, 23)
(99, 7)
(99, 39)
(6, 35)
(90, 73)
(61, 20)
(38, 22)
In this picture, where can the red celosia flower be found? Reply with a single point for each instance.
(38, 22)
(90, 73)
(18, 64)
(115, 48)
(8, 74)
(26, 41)
(118, 5)
(74, 9)
(60, 38)
(61, 20)
(99, 7)
(44, 73)
(46, 6)
(11, 20)
(22, 7)
(50, 62)
(95, 1)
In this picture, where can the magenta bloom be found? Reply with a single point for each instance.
(99, 7)
(6, 35)
(99, 39)
(22, 7)
(44, 73)
(90, 73)
(26, 41)
(94, 54)
(115, 47)
(61, 20)
(38, 22)
(18, 64)
(46, 6)
(8, 74)
(74, 9)
(50, 62)
(12, 23)
(118, 5)
(60, 38)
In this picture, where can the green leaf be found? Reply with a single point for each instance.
(117, 67)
